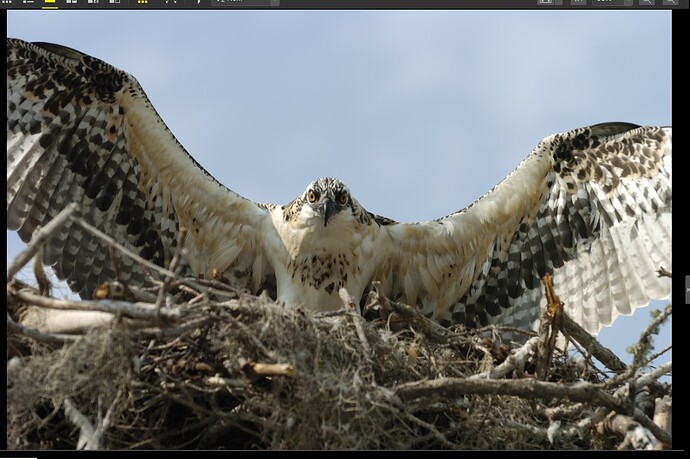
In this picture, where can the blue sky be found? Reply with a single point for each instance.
(418, 112)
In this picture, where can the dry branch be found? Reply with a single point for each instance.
(51, 338)
(410, 314)
(644, 343)
(549, 328)
(649, 378)
(525, 388)
(39, 238)
(267, 369)
(646, 379)
(174, 267)
(175, 331)
(663, 411)
(270, 376)
(516, 360)
(251, 373)
(44, 284)
(575, 331)
(125, 251)
(141, 311)
(351, 307)
(634, 435)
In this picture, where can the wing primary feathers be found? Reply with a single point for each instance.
(578, 208)
(80, 130)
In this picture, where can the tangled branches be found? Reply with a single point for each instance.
(212, 367)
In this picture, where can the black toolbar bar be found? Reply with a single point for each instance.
(328, 4)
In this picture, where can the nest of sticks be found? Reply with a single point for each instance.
(213, 368)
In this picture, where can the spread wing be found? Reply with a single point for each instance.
(591, 206)
(80, 130)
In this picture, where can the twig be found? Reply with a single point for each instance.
(663, 410)
(532, 430)
(39, 238)
(517, 359)
(563, 411)
(409, 312)
(266, 369)
(221, 288)
(139, 361)
(118, 290)
(226, 382)
(587, 423)
(656, 355)
(627, 372)
(109, 240)
(335, 313)
(140, 311)
(173, 266)
(197, 298)
(431, 428)
(648, 378)
(161, 270)
(591, 345)
(44, 284)
(525, 388)
(645, 380)
(51, 338)
(167, 332)
(634, 435)
(551, 320)
(584, 425)
(397, 406)
(645, 341)
(86, 428)
(253, 338)
(103, 424)
(357, 319)
(16, 265)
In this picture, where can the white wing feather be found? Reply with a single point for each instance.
(591, 206)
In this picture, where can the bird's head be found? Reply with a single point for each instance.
(326, 199)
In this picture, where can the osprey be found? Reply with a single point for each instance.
(591, 206)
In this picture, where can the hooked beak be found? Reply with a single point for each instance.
(327, 210)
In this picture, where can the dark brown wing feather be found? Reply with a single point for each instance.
(80, 130)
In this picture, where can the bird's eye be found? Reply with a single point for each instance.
(342, 198)
(311, 197)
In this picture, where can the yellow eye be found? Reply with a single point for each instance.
(342, 198)
(311, 197)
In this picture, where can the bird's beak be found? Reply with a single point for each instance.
(327, 210)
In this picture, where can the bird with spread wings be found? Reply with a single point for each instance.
(591, 206)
